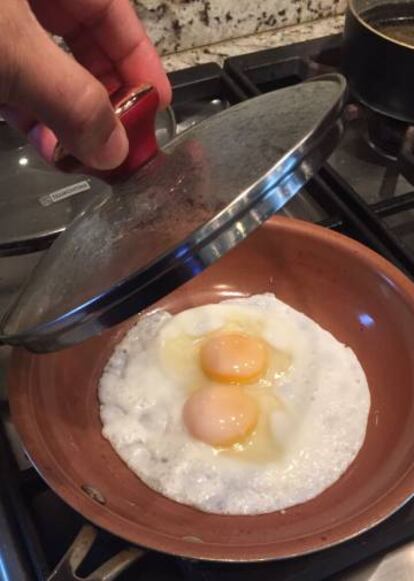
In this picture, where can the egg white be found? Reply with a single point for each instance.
(318, 430)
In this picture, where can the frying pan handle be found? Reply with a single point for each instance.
(67, 568)
(136, 108)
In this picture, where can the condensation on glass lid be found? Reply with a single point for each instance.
(221, 174)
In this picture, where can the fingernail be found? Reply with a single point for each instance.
(113, 152)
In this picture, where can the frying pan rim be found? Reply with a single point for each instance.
(398, 496)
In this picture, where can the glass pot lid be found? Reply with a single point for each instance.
(36, 201)
(183, 210)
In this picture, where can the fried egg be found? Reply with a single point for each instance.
(242, 407)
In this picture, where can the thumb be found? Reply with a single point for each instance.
(54, 88)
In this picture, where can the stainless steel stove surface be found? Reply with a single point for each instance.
(360, 192)
(365, 172)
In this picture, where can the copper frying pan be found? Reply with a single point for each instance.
(357, 295)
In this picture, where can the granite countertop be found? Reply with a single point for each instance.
(177, 25)
(218, 52)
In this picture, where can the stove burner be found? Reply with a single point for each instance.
(406, 158)
(391, 139)
(385, 135)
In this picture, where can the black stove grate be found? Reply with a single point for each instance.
(272, 69)
(363, 221)
(202, 83)
(275, 68)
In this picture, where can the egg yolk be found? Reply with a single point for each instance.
(233, 358)
(220, 415)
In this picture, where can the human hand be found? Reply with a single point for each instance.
(49, 95)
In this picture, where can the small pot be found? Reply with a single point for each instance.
(378, 55)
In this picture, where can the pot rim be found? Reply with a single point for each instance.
(363, 22)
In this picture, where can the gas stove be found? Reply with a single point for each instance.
(363, 191)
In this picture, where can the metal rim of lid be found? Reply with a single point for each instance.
(214, 239)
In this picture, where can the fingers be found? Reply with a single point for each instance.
(70, 101)
(131, 50)
(37, 134)
(107, 38)
(55, 91)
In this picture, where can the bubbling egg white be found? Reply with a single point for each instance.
(241, 407)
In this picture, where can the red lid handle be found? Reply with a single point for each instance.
(136, 108)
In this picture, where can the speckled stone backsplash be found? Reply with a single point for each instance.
(176, 25)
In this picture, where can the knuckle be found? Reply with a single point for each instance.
(90, 112)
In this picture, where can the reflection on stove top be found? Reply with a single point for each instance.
(189, 114)
(369, 173)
